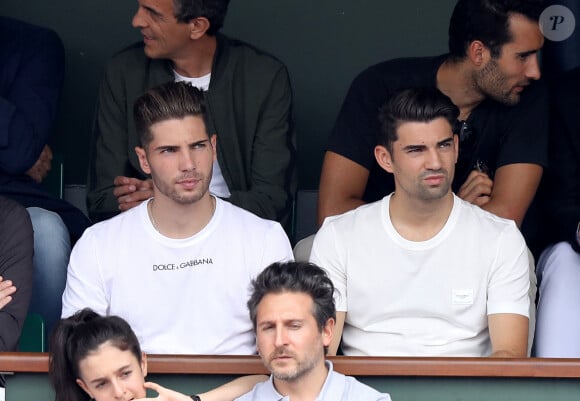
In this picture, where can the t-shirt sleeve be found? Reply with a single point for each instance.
(277, 247)
(509, 279)
(84, 282)
(326, 254)
(526, 136)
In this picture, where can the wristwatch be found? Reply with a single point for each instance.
(195, 397)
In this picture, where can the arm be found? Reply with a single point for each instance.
(225, 392)
(330, 256)
(16, 250)
(508, 299)
(337, 333)
(342, 186)
(84, 287)
(509, 335)
(28, 103)
(509, 195)
(271, 177)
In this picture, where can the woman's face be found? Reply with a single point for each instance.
(109, 374)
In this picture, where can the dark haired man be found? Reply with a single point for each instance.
(489, 75)
(422, 272)
(249, 101)
(292, 309)
(184, 258)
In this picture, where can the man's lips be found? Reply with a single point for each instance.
(188, 183)
(434, 179)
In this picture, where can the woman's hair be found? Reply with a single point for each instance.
(76, 337)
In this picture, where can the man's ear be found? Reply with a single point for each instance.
(198, 27)
(84, 387)
(327, 332)
(478, 53)
(384, 158)
(143, 162)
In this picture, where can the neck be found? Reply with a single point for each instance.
(305, 388)
(197, 61)
(455, 79)
(418, 220)
(177, 221)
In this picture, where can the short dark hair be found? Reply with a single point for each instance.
(214, 10)
(74, 338)
(487, 21)
(164, 102)
(413, 105)
(301, 277)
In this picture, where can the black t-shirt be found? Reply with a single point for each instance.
(500, 134)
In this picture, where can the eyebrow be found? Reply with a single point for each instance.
(100, 379)
(164, 147)
(527, 53)
(422, 147)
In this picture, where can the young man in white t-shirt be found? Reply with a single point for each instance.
(178, 266)
(422, 272)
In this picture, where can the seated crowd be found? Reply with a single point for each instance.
(430, 170)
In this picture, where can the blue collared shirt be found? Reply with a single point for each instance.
(337, 387)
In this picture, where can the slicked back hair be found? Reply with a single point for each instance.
(413, 105)
(172, 100)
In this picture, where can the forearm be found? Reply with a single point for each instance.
(233, 389)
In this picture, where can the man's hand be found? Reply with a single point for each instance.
(130, 192)
(477, 188)
(42, 166)
(6, 290)
(164, 394)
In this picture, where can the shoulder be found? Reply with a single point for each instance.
(132, 60)
(360, 391)
(401, 72)
(261, 391)
(235, 216)
(117, 225)
(483, 221)
(239, 59)
(361, 214)
(19, 36)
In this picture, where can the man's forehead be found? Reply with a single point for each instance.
(188, 126)
(435, 130)
(525, 33)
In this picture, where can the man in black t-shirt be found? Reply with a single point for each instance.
(490, 76)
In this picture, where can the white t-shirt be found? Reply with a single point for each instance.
(180, 296)
(428, 298)
(218, 185)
